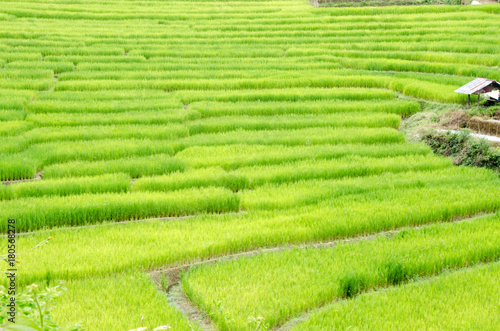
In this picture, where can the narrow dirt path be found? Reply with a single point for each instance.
(178, 299)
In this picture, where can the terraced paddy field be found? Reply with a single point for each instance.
(238, 165)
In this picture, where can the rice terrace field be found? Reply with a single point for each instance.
(239, 165)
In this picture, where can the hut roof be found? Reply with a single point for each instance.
(478, 86)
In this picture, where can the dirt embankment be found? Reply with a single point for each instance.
(484, 126)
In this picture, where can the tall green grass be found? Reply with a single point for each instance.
(278, 286)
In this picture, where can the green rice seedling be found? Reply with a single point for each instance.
(173, 74)
(12, 115)
(291, 94)
(452, 45)
(20, 56)
(28, 74)
(11, 144)
(82, 133)
(135, 167)
(306, 192)
(438, 79)
(128, 117)
(228, 84)
(56, 67)
(280, 285)
(12, 102)
(427, 90)
(308, 136)
(265, 85)
(469, 293)
(77, 59)
(231, 123)
(214, 109)
(114, 295)
(75, 210)
(108, 149)
(350, 166)
(118, 183)
(259, 53)
(395, 10)
(192, 178)
(483, 59)
(13, 128)
(115, 96)
(15, 100)
(169, 244)
(83, 51)
(25, 84)
(38, 156)
(418, 66)
(98, 106)
(14, 167)
(238, 155)
(176, 64)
